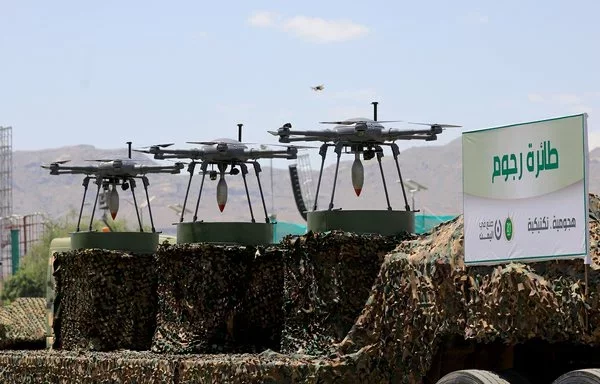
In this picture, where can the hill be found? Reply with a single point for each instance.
(437, 167)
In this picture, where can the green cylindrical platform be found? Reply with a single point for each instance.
(234, 233)
(134, 242)
(385, 223)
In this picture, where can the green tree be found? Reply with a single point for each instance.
(30, 279)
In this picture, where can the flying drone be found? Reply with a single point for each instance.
(108, 174)
(360, 136)
(227, 156)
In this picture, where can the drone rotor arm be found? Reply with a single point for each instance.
(323, 133)
(74, 169)
(258, 154)
(309, 138)
(144, 169)
(403, 132)
(194, 154)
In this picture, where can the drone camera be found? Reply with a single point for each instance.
(234, 171)
(213, 175)
(360, 127)
(125, 186)
(368, 154)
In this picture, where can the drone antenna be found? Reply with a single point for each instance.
(240, 132)
(375, 110)
(129, 149)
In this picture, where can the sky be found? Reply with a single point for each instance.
(103, 73)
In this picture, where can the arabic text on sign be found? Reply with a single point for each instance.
(507, 165)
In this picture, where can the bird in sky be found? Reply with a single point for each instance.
(319, 87)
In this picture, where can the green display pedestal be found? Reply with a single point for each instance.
(387, 223)
(231, 233)
(134, 242)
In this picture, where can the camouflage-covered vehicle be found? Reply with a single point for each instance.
(319, 308)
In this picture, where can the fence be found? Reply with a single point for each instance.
(18, 233)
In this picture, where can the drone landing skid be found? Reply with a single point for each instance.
(244, 169)
(127, 182)
(379, 154)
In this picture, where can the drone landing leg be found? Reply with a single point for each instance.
(323, 153)
(396, 152)
(99, 182)
(244, 172)
(257, 170)
(85, 184)
(146, 183)
(203, 169)
(191, 167)
(379, 156)
(338, 150)
(137, 211)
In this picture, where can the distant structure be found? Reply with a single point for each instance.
(18, 233)
(5, 199)
(305, 174)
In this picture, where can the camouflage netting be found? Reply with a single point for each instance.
(25, 367)
(421, 295)
(22, 323)
(424, 293)
(327, 279)
(214, 299)
(105, 300)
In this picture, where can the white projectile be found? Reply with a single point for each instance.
(113, 202)
(358, 175)
(221, 193)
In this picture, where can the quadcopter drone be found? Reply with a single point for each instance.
(228, 156)
(110, 173)
(360, 136)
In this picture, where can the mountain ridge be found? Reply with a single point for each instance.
(439, 167)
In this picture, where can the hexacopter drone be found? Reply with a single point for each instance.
(360, 136)
(227, 156)
(108, 174)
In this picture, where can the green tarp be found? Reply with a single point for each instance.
(425, 223)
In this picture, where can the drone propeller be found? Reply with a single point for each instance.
(60, 161)
(350, 122)
(159, 145)
(217, 142)
(437, 125)
(100, 160)
(291, 146)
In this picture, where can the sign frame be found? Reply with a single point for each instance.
(528, 257)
